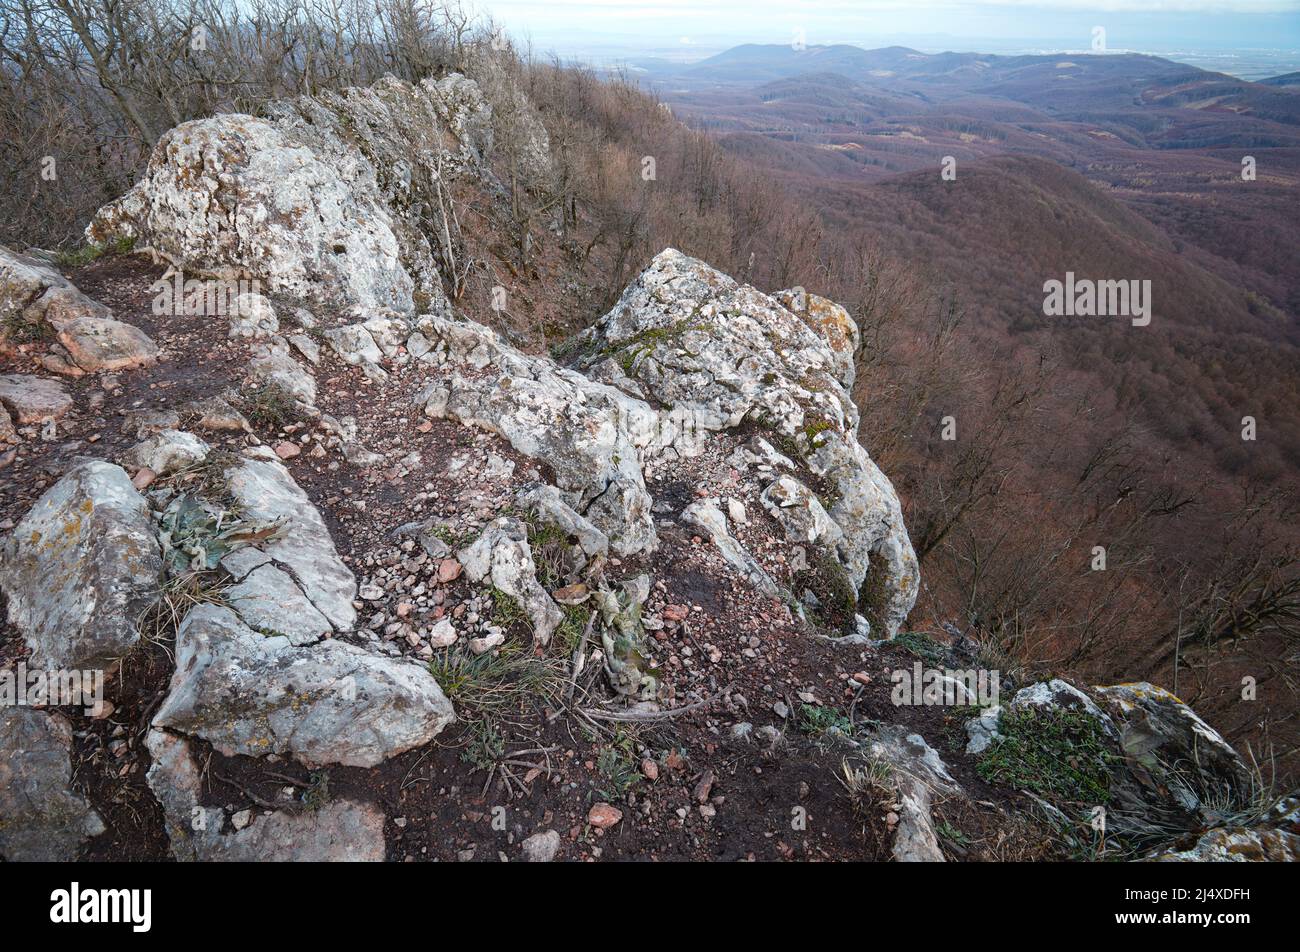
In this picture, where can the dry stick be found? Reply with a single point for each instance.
(261, 802)
(634, 716)
(578, 654)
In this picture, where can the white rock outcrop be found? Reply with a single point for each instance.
(590, 434)
(718, 354)
(332, 197)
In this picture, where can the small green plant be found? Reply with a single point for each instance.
(506, 610)
(486, 745)
(267, 407)
(454, 540)
(815, 428)
(550, 547)
(920, 645)
(317, 793)
(1060, 754)
(949, 832)
(571, 629)
(91, 252)
(817, 720)
(196, 535)
(618, 767)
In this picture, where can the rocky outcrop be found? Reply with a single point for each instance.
(718, 354)
(42, 819)
(590, 434)
(336, 197)
(80, 569)
(1167, 769)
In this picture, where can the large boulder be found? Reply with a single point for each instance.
(1172, 757)
(95, 344)
(332, 197)
(331, 702)
(80, 569)
(1167, 770)
(590, 434)
(722, 354)
(42, 819)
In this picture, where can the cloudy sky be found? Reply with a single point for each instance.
(988, 25)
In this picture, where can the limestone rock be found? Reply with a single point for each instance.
(254, 317)
(272, 364)
(589, 433)
(268, 601)
(541, 847)
(268, 495)
(920, 773)
(42, 819)
(81, 567)
(33, 294)
(168, 451)
(340, 831)
(502, 557)
(831, 322)
(553, 509)
(800, 512)
(721, 354)
(33, 399)
(1171, 753)
(1234, 845)
(326, 703)
(97, 344)
(326, 197)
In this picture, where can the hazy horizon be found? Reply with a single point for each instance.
(1251, 40)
